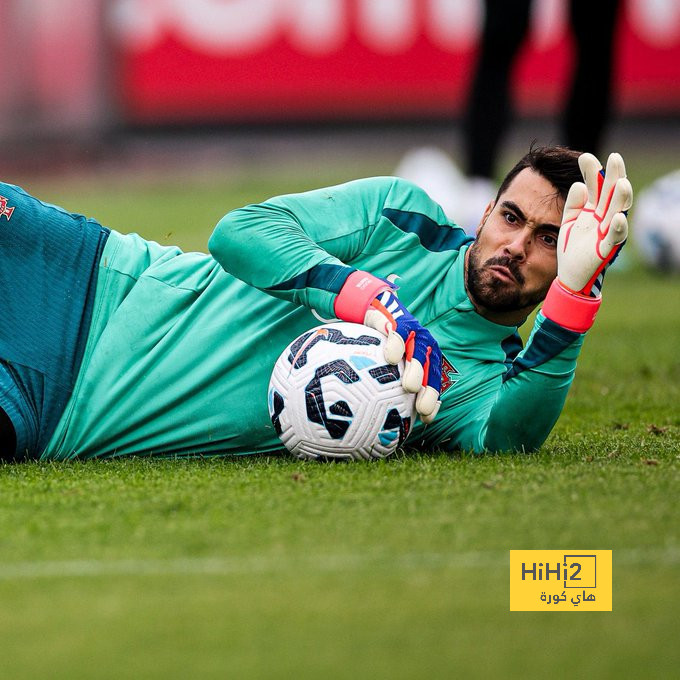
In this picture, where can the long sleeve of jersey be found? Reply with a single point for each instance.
(298, 247)
(534, 389)
(522, 404)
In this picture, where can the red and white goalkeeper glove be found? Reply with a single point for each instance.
(367, 299)
(594, 229)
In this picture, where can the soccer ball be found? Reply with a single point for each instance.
(656, 228)
(333, 395)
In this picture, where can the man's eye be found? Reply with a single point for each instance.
(550, 240)
(511, 218)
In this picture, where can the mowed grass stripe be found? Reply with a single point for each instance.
(224, 566)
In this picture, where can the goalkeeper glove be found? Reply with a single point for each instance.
(594, 229)
(369, 300)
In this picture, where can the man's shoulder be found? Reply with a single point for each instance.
(28, 207)
(14, 194)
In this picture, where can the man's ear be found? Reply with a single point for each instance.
(486, 214)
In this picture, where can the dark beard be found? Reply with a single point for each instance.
(492, 293)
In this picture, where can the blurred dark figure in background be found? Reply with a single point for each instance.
(588, 103)
(464, 194)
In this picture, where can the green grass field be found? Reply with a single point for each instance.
(265, 567)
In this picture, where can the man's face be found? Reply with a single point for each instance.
(513, 261)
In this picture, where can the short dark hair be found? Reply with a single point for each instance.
(558, 164)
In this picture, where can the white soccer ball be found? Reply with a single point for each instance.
(656, 224)
(333, 395)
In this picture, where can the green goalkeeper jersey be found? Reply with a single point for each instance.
(181, 345)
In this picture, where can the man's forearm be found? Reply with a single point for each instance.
(534, 390)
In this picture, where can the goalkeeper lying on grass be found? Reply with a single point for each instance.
(114, 345)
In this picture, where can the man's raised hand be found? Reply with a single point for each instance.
(594, 226)
(594, 229)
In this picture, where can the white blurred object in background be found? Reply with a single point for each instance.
(463, 200)
(655, 226)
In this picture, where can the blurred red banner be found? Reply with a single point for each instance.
(228, 60)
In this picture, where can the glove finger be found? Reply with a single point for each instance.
(616, 168)
(427, 404)
(614, 172)
(394, 348)
(426, 351)
(412, 379)
(621, 200)
(376, 320)
(619, 228)
(433, 369)
(590, 169)
(576, 199)
(624, 194)
(615, 236)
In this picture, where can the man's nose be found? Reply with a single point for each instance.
(518, 246)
